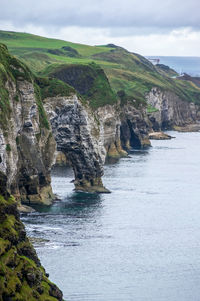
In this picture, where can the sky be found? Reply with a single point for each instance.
(154, 27)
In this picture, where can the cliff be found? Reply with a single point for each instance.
(87, 113)
(76, 133)
(27, 152)
(125, 70)
(121, 71)
(88, 80)
(171, 110)
(120, 120)
(28, 142)
(25, 164)
(21, 275)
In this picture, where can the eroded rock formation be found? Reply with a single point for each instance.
(171, 110)
(123, 127)
(74, 132)
(26, 143)
(117, 124)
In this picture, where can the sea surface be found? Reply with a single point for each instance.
(181, 64)
(139, 243)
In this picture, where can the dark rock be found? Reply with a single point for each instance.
(40, 290)
(55, 292)
(27, 124)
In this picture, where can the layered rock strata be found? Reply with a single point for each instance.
(171, 110)
(74, 133)
(122, 127)
(26, 143)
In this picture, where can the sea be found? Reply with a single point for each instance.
(181, 64)
(139, 243)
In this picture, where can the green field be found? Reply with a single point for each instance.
(128, 72)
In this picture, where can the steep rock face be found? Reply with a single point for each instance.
(172, 111)
(109, 135)
(78, 138)
(25, 164)
(22, 277)
(122, 127)
(26, 143)
(117, 123)
(135, 127)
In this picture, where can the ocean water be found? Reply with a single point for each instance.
(139, 243)
(181, 64)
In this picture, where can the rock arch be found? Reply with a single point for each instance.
(72, 132)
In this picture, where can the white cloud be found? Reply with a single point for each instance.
(104, 13)
(148, 27)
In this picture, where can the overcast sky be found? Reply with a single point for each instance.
(154, 27)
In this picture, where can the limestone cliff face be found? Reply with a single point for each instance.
(116, 123)
(172, 111)
(109, 131)
(123, 127)
(77, 136)
(26, 143)
(26, 153)
(135, 127)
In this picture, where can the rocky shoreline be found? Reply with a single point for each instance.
(47, 117)
(188, 128)
(43, 117)
(159, 136)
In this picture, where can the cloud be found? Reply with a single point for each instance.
(105, 13)
(178, 42)
(149, 27)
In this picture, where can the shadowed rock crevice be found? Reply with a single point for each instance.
(134, 139)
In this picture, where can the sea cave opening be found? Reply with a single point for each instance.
(134, 139)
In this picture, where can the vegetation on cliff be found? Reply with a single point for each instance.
(13, 70)
(126, 71)
(50, 87)
(10, 69)
(22, 277)
(166, 70)
(89, 81)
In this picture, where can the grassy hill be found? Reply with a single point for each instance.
(126, 71)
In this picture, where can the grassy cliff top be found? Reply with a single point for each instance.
(126, 71)
(89, 81)
(10, 69)
(13, 70)
(10, 66)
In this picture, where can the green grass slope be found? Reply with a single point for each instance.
(89, 81)
(165, 70)
(128, 72)
(12, 69)
(38, 52)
